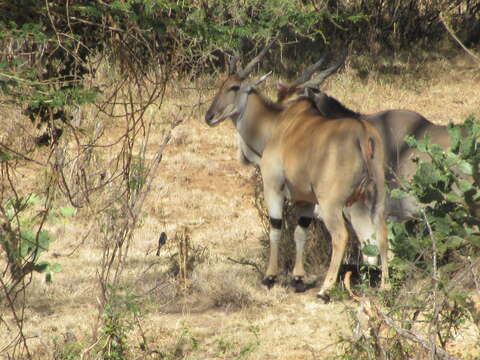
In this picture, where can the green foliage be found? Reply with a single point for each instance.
(371, 250)
(119, 316)
(69, 350)
(53, 45)
(24, 237)
(447, 187)
(433, 252)
(437, 243)
(138, 172)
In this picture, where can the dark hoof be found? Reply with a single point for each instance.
(269, 281)
(324, 297)
(299, 284)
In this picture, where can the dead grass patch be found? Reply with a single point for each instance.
(200, 185)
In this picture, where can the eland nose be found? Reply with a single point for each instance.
(208, 117)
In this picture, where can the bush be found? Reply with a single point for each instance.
(436, 263)
(448, 189)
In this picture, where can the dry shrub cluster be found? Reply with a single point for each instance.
(224, 286)
(186, 274)
(98, 170)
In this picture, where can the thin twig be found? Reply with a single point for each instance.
(412, 336)
(436, 308)
(18, 320)
(21, 155)
(246, 262)
(468, 51)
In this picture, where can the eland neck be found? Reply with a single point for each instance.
(256, 122)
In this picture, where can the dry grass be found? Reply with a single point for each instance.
(225, 313)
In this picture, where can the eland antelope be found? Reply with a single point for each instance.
(311, 160)
(393, 126)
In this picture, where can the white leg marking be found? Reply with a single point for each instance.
(300, 237)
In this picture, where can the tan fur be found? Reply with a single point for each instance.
(393, 126)
(312, 160)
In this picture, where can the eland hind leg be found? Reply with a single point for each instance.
(304, 218)
(371, 229)
(334, 222)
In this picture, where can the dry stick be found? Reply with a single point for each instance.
(373, 311)
(410, 335)
(135, 204)
(469, 52)
(436, 307)
(129, 142)
(21, 155)
(246, 262)
(370, 310)
(18, 321)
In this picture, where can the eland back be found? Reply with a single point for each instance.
(392, 125)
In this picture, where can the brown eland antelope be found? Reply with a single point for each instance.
(393, 126)
(311, 160)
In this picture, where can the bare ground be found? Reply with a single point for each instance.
(201, 190)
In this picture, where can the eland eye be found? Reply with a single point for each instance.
(234, 88)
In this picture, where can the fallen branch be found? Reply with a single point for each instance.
(452, 34)
(374, 314)
(412, 336)
(246, 262)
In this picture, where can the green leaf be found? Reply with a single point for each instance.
(455, 136)
(24, 249)
(464, 185)
(55, 268)
(370, 250)
(451, 196)
(474, 239)
(398, 194)
(44, 239)
(443, 225)
(41, 267)
(424, 144)
(4, 156)
(411, 141)
(466, 168)
(67, 211)
(33, 199)
(29, 236)
(437, 152)
(455, 241)
(451, 159)
(428, 174)
(428, 194)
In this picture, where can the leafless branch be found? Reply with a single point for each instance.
(412, 336)
(246, 262)
(452, 34)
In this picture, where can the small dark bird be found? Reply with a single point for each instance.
(161, 241)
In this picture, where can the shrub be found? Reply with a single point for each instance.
(436, 263)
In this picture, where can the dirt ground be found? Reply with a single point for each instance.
(201, 190)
